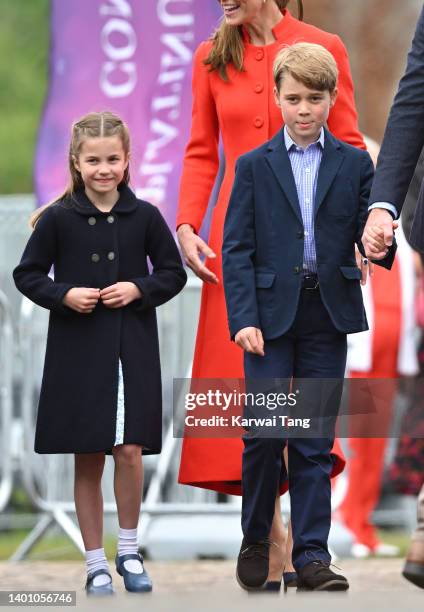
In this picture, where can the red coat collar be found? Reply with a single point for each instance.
(280, 31)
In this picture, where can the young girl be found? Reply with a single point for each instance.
(101, 389)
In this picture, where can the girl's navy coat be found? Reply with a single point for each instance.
(89, 248)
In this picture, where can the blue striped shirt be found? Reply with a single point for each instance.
(305, 165)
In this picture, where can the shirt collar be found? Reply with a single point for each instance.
(289, 142)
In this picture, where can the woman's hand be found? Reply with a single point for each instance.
(192, 247)
(120, 294)
(365, 265)
(82, 299)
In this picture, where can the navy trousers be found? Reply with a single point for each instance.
(312, 349)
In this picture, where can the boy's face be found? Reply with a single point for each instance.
(304, 110)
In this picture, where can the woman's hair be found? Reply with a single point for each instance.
(228, 45)
(310, 64)
(92, 125)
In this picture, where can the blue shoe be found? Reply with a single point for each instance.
(135, 583)
(99, 591)
(290, 580)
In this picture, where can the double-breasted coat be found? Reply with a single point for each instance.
(88, 248)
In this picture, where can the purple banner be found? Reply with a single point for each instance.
(133, 57)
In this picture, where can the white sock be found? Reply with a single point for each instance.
(127, 544)
(95, 560)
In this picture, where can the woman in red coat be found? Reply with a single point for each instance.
(233, 99)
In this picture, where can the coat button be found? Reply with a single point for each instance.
(300, 234)
(258, 121)
(92, 220)
(259, 87)
(111, 256)
(110, 219)
(259, 55)
(95, 258)
(297, 269)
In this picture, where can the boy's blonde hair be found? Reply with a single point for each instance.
(310, 64)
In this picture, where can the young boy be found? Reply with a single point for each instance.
(298, 206)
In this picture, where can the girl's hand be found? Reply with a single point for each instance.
(192, 246)
(82, 299)
(120, 294)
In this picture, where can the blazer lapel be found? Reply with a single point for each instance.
(332, 158)
(277, 157)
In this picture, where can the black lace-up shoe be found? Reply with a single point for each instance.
(253, 564)
(317, 576)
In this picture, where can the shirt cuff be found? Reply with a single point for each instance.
(387, 206)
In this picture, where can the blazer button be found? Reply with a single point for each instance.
(259, 55)
(92, 220)
(110, 219)
(297, 269)
(111, 256)
(300, 234)
(259, 87)
(258, 121)
(95, 258)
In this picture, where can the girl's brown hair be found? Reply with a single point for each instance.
(92, 125)
(228, 45)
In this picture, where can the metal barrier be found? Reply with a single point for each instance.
(6, 400)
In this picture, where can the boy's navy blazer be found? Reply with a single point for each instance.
(264, 238)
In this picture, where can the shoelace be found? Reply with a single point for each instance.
(315, 560)
(325, 565)
(255, 549)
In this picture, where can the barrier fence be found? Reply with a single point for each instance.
(6, 400)
(48, 479)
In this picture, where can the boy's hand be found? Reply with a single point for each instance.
(378, 233)
(192, 246)
(365, 265)
(82, 299)
(120, 294)
(250, 339)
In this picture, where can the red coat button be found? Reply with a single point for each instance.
(259, 87)
(258, 121)
(259, 55)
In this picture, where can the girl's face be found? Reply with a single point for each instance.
(102, 163)
(241, 12)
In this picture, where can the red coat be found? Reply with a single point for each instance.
(244, 113)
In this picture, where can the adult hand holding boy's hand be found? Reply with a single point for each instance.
(378, 233)
(250, 339)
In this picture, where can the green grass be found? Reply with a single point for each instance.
(51, 547)
(24, 40)
(60, 548)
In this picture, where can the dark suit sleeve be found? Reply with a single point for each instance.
(31, 276)
(238, 251)
(404, 135)
(367, 173)
(168, 276)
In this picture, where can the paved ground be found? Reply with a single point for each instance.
(210, 586)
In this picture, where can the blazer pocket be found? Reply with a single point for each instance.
(264, 280)
(351, 272)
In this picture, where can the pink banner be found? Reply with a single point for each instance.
(132, 57)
